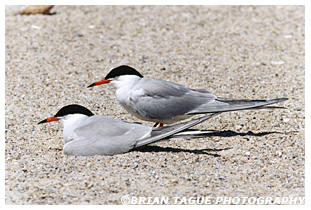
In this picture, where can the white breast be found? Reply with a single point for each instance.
(126, 88)
(71, 122)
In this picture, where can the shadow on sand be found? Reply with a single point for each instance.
(208, 151)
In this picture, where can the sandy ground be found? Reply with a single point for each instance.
(254, 52)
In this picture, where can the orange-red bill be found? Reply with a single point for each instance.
(100, 82)
(50, 119)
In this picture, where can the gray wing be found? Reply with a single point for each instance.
(105, 136)
(165, 132)
(166, 100)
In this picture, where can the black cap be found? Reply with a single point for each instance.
(73, 109)
(122, 70)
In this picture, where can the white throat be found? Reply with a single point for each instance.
(71, 122)
(124, 86)
(125, 81)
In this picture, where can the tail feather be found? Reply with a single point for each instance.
(230, 100)
(270, 107)
(225, 105)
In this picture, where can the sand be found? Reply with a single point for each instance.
(254, 52)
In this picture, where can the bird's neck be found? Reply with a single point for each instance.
(71, 122)
(125, 81)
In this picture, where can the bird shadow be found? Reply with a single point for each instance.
(207, 151)
(229, 133)
(178, 150)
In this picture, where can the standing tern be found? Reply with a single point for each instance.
(87, 134)
(167, 102)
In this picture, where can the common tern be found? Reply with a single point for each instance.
(87, 134)
(167, 102)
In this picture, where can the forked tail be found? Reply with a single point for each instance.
(225, 105)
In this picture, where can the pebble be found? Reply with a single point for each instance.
(277, 62)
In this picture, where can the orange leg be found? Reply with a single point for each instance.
(160, 125)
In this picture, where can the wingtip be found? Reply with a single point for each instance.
(209, 116)
(281, 99)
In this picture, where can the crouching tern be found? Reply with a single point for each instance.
(87, 134)
(167, 102)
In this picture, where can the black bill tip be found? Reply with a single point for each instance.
(91, 85)
(43, 121)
